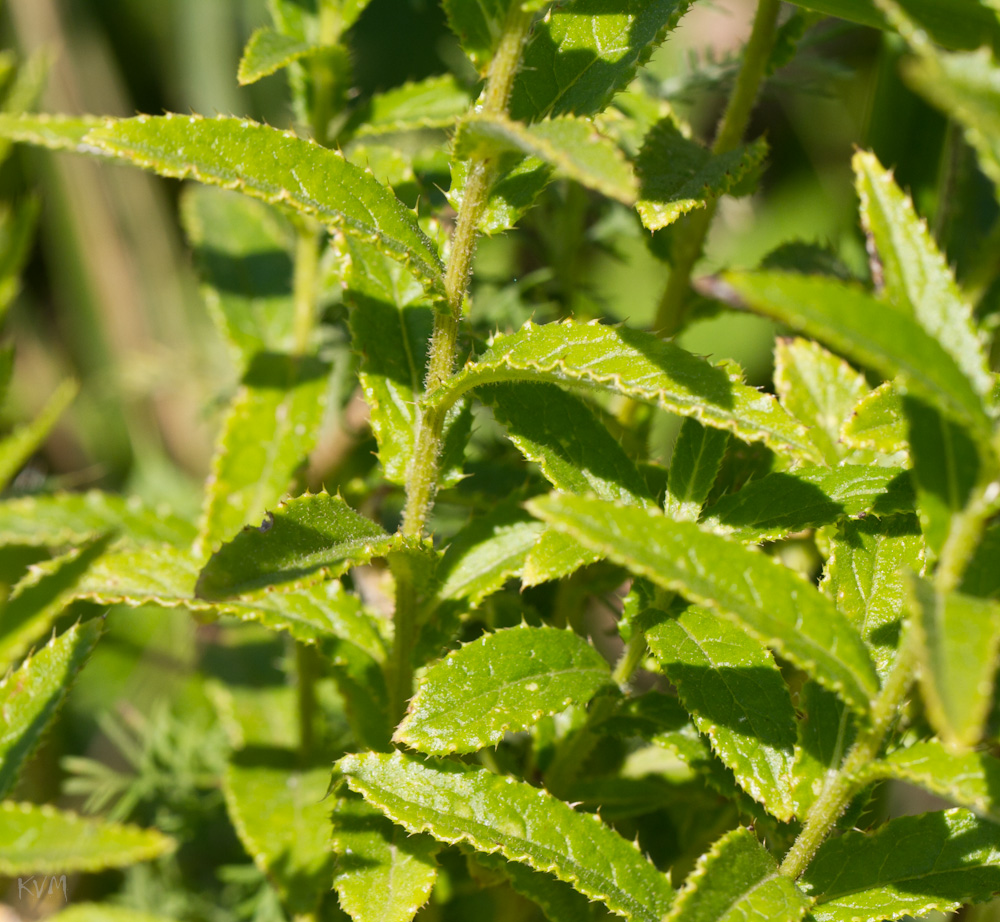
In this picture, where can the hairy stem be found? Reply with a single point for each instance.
(304, 286)
(691, 240)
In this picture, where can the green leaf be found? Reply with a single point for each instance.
(694, 464)
(819, 389)
(731, 685)
(571, 146)
(970, 779)
(871, 333)
(736, 881)
(272, 425)
(18, 222)
(435, 102)
(306, 539)
(982, 576)
(581, 54)
(521, 180)
(877, 422)
(866, 577)
(958, 640)
(493, 813)
(56, 132)
(554, 556)
(678, 175)
(383, 874)
(278, 812)
(268, 51)
(31, 695)
(775, 604)
(561, 434)
(908, 867)
(781, 504)
(478, 26)
(825, 735)
(634, 364)
(243, 252)
(38, 839)
(953, 23)
(40, 597)
(71, 518)
(104, 912)
(915, 277)
(25, 440)
(259, 161)
(504, 681)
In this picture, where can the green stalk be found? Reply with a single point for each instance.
(304, 286)
(691, 242)
(307, 671)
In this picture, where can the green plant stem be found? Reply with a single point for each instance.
(307, 671)
(399, 678)
(304, 286)
(631, 658)
(691, 239)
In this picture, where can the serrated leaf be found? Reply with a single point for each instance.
(581, 54)
(259, 161)
(908, 866)
(571, 146)
(31, 695)
(738, 881)
(243, 252)
(38, 839)
(634, 364)
(694, 464)
(915, 277)
(678, 175)
(561, 434)
(478, 26)
(825, 735)
(775, 604)
(56, 132)
(104, 912)
(272, 425)
(554, 556)
(25, 440)
(38, 598)
(504, 681)
(383, 874)
(970, 779)
(435, 102)
(871, 333)
(731, 685)
(307, 539)
(520, 181)
(268, 51)
(877, 422)
(279, 813)
(71, 518)
(958, 638)
(492, 813)
(866, 577)
(781, 504)
(818, 388)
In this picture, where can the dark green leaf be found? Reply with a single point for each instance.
(825, 734)
(478, 26)
(777, 605)
(493, 813)
(505, 681)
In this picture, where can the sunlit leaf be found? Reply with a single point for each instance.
(694, 464)
(478, 26)
(104, 912)
(554, 556)
(268, 51)
(435, 102)
(877, 422)
(825, 734)
(26, 439)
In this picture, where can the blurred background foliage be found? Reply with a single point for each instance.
(110, 297)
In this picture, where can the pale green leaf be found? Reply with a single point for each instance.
(31, 695)
(781, 504)
(554, 556)
(571, 146)
(268, 51)
(272, 425)
(582, 53)
(694, 464)
(39, 839)
(871, 333)
(383, 874)
(243, 249)
(914, 276)
(731, 685)
(866, 577)
(958, 641)
(278, 811)
(561, 434)
(775, 604)
(478, 26)
(493, 813)
(40, 597)
(825, 735)
(70, 518)
(24, 441)
(435, 102)
(907, 867)
(634, 364)
(104, 912)
(56, 132)
(307, 539)
(877, 422)
(819, 389)
(969, 779)
(504, 681)
(18, 221)
(678, 175)
(738, 881)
